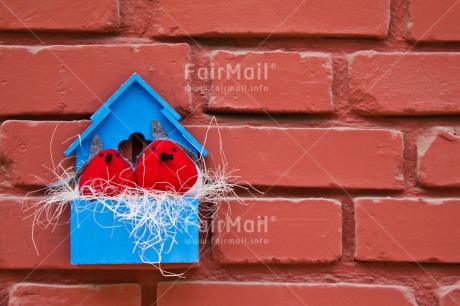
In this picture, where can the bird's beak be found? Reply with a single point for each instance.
(108, 158)
(165, 156)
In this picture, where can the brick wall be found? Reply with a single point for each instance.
(352, 137)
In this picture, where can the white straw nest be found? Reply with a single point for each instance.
(152, 217)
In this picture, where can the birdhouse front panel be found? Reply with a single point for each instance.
(99, 236)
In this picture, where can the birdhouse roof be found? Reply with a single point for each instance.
(107, 108)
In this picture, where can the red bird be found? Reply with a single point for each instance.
(107, 174)
(165, 166)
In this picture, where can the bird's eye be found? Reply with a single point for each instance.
(153, 149)
(101, 154)
(174, 149)
(117, 155)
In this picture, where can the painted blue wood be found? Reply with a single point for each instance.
(99, 237)
(131, 109)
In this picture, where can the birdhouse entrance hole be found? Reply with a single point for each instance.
(132, 147)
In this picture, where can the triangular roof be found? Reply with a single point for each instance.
(169, 113)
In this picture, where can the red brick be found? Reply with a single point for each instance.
(302, 157)
(241, 293)
(449, 295)
(79, 79)
(28, 294)
(262, 18)
(438, 159)
(289, 82)
(17, 249)
(65, 15)
(414, 230)
(266, 230)
(433, 20)
(32, 152)
(405, 84)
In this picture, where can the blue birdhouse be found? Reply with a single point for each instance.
(125, 122)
